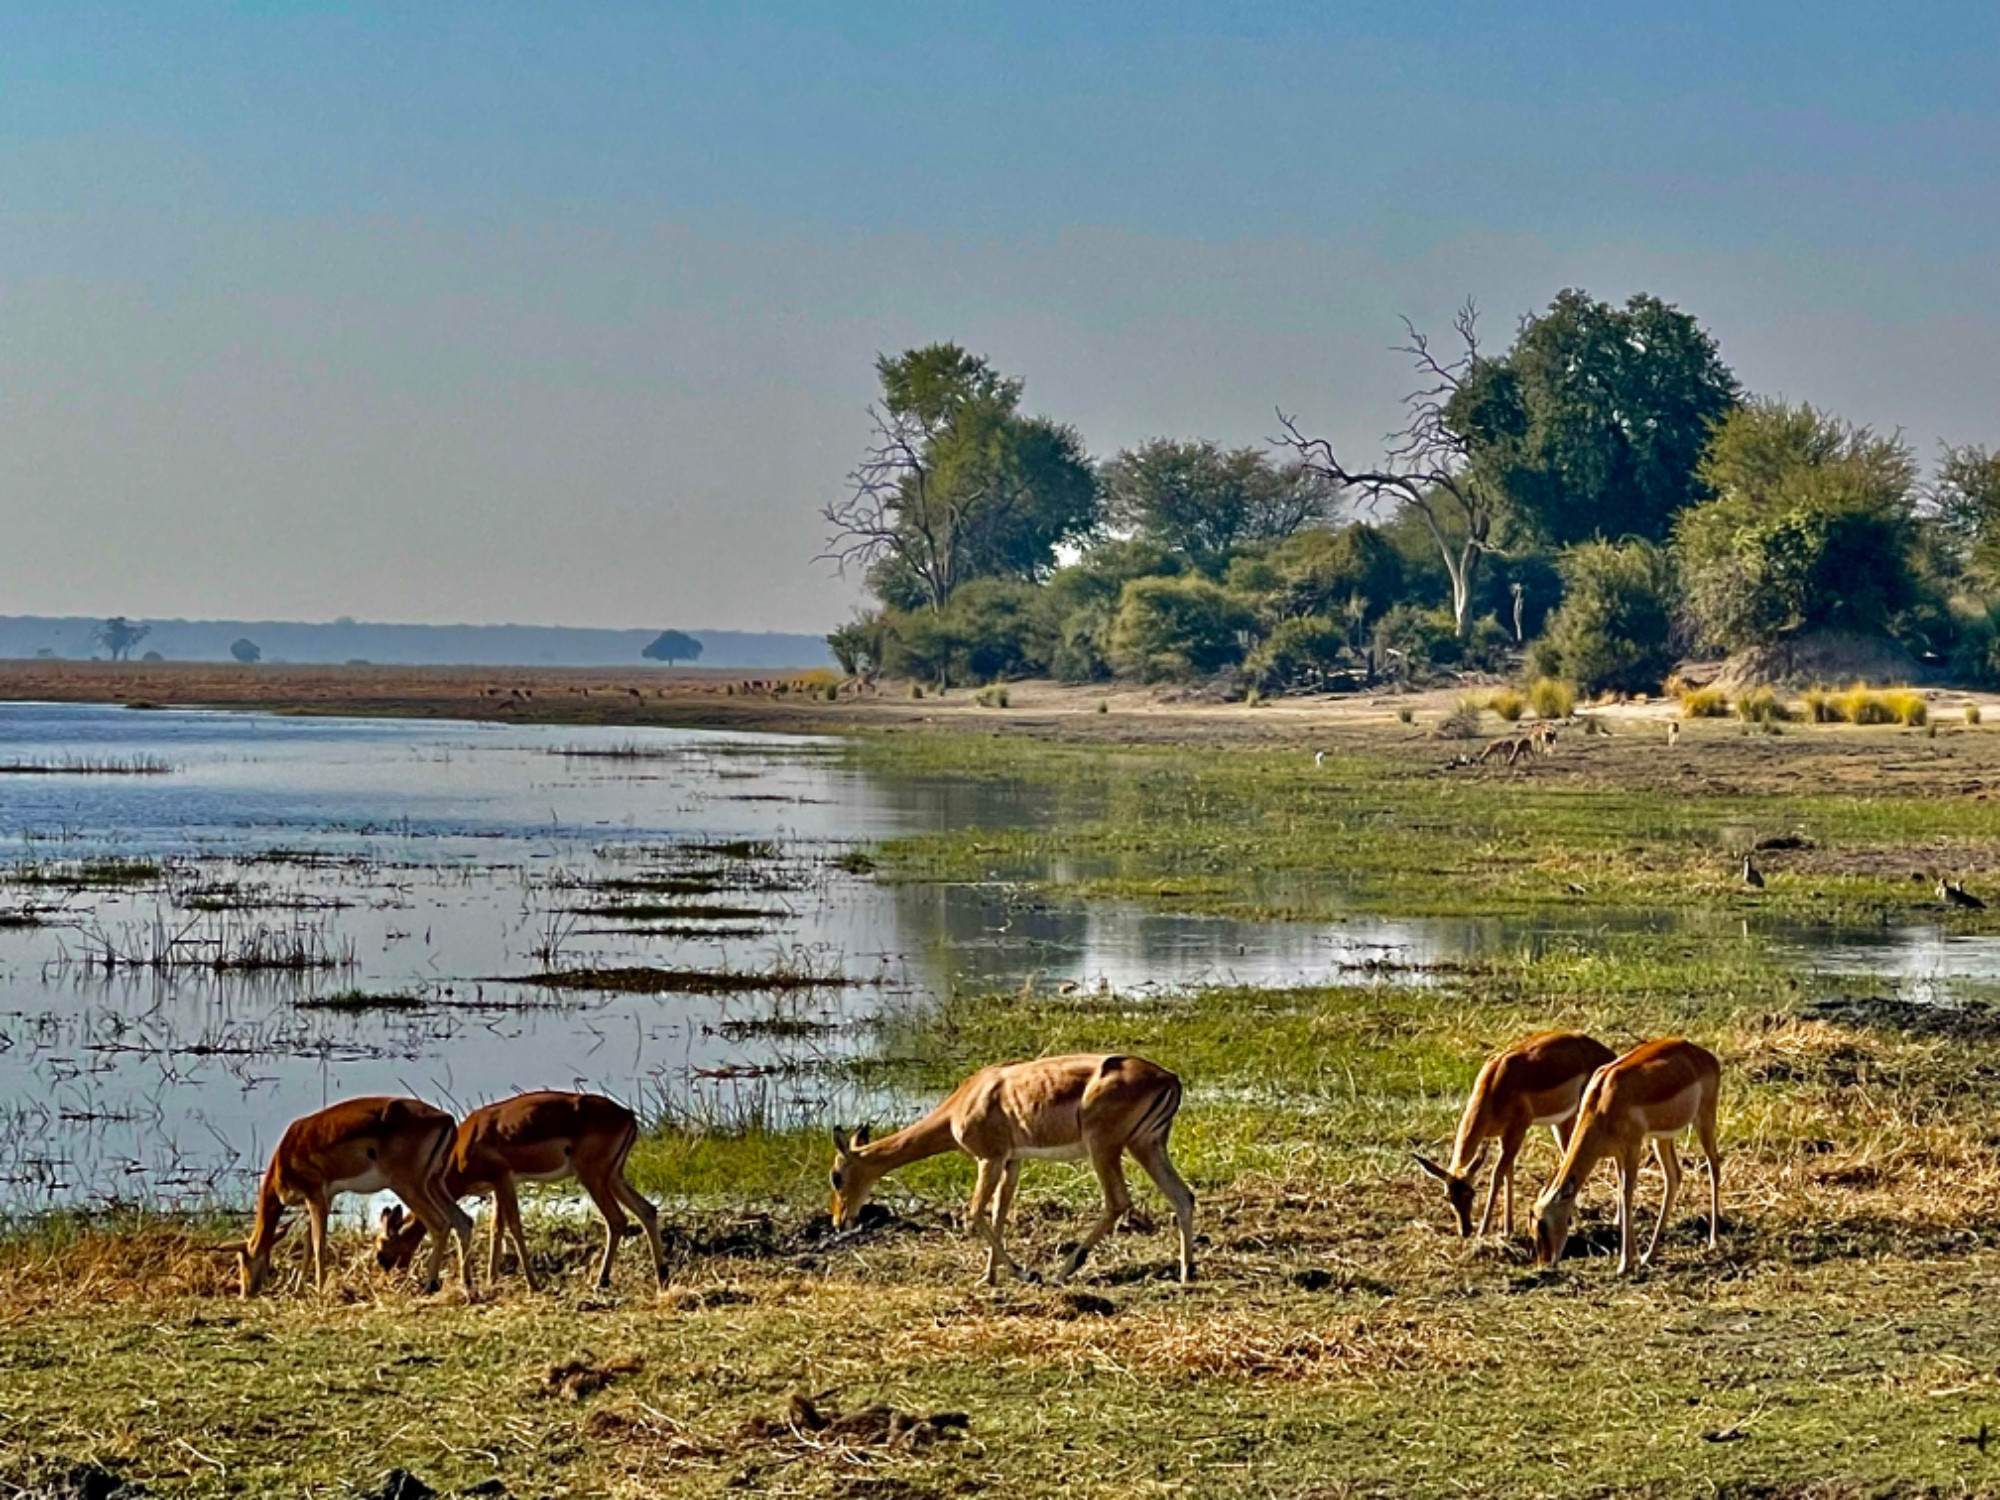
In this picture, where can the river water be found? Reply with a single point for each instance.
(248, 916)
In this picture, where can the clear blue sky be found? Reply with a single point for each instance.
(566, 313)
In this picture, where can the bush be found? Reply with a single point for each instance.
(1614, 629)
(1821, 707)
(1405, 714)
(1972, 713)
(1175, 627)
(1703, 703)
(1761, 705)
(1462, 723)
(1300, 650)
(1509, 704)
(1411, 639)
(994, 695)
(1551, 699)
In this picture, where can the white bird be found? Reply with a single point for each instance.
(1750, 875)
(1319, 757)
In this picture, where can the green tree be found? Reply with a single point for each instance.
(1196, 499)
(958, 483)
(119, 636)
(1965, 497)
(1812, 527)
(246, 650)
(1615, 626)
(1172, 627)
(1594, 423)
(670, 646)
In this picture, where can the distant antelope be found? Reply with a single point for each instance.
(1673, 733)
(1956, 895)
(1513, 749)
(1537, 1081)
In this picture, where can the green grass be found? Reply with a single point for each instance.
(1260, 833)
(1341, 1340)
(1340, 1334)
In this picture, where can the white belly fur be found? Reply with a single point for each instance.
(371, 1182)
(1074, 1152)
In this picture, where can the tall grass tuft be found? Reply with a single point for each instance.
(1762, 705)
(1405, 714)
(993, 695)
(1821, 707)
(1462, 723)
(1972, 713)
(1509, 704)
(1551, 698)
(1703, 703)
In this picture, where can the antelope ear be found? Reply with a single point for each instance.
(392, 1218)
(842, 1145)
(861, 1136)
(1431, 1167)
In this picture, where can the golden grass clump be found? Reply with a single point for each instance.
(1703, 703)
(1862, 705)
(1762, 705)
(1972, 713)
(1821, 707)
(1551, 698)
(1508, 704)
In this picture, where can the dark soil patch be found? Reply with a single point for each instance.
(1912, 1017)
(807, 1423)
(638, 980)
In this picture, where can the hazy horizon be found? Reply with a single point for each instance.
(504, 315)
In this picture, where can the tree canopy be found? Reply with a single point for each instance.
(1594, 422)
(958, 484)
(1197, 499)
(119, 636)
(1812, 527)
(670, 646)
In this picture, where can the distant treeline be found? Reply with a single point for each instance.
(1596, 501)
(401, 645)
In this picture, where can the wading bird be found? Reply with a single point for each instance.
(1956, 895)
(1087, 1107)
(1537, 1081)
(1752, 877)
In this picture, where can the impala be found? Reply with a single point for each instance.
(1652, 1093)
(1095, 1107)
(539, 1137)
(360, 1146)
(1537, 1081)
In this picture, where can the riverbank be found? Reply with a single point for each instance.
(1341, 1338)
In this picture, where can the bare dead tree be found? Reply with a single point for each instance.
(1426, 465)
(898, 507)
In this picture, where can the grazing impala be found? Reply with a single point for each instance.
(1537, 1081)
(1652, 1093)
(1065, 1108)
(360, 1146)
(540, 1137)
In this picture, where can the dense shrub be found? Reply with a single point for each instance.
(1508, 704)
(1703, 703)
(1300, 650)
(1168, 627)
(1614, 628)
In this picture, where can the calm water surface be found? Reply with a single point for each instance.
(436, 864)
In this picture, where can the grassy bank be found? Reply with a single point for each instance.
(1392, 826)
(1341, 1339)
